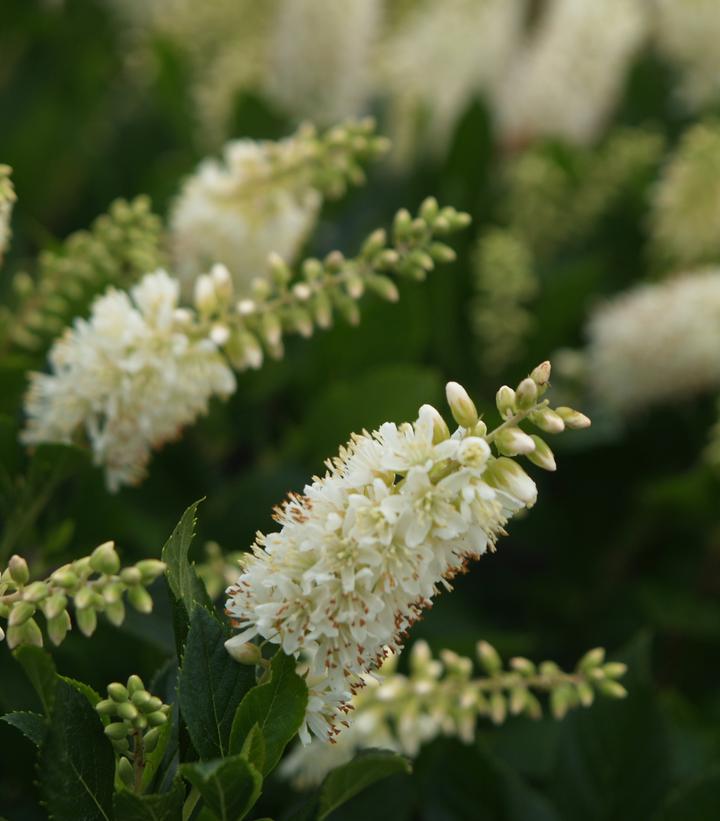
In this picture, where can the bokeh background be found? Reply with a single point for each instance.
(111, 99)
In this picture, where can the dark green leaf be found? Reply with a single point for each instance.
(365, 769)
(211, 686)
(31, 725)
(186, 589)
(84, 689)
(277, 706)
(161, 807)
(40, 669)
(253, 748)
(229, 786)
(77, 764)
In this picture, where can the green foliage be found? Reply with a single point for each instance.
(162, 807)
(76, 780)
(347, 781)
(276, 708)
(40, 669)
(31, 725)
(228, 786)
(211, 686)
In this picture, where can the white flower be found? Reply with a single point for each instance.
(366, 549)
(687, 33)
(438, 58)
(7, 200)
(318, 62)
(129, 378)
(568, 78)
(236, 212)
(657, 342)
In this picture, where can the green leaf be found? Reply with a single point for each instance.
(277, 706)
(31, 725)
(160, 807)
(211, 686)
(84, 689)
(40, 669)
(77, 763)
(187, 591)
(697, 799)
(229, 786)
(253, 748)
(365, 769)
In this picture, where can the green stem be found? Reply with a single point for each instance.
(190, 804)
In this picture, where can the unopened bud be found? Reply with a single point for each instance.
(547, 420)
(615, 669)
(36, 592)
(222, 281)
(505, 474)
(116, 731)
(18, 569)
(106, 707)
(542, 456)
(489, 657)
(526, 394)
(505, 401)
(86, 621)
(522, 665)
(54, 605)
(156, 719)
(498, 708)
(105, 560)
(20, 613)
(127, 711)
(117, 691)
(573, 419)
(126, 771)
(205, 297)
(593, 658)
(513, 442)
(541, 374)
(150, 569)
(130, 575)
(65, 578)
(441, 432)
(244, 652)
(612, 689)
(151, 738)
(58, 627)
(461, 405)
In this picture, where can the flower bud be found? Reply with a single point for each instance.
(498, 708)
(547, 420)
(541, 374)
(84, 598)
(130, 575)
(612, 689)
(156, 719)
(573, 419)
(151, 738)
(518, 700)
(222, 281)
(86, 621)
(135, 684)
(461, 405)
(27, 633)
(615, 669)
(278, 269)
(506, 475)
(126, 771)
(54, 605)
(117, 691)
(140, 599)
(542, 456)
(522, 665)
(36, 592)
(106, 707)
(105, 560)
(489, 658)
(513, 441)
(526, 394)
(205, 297)
(120, 745)
(20, 613)
(65, 578)
(58, 627)
(593, 658)
(117, 731)
(141, 698)
(441, 432)
(585, 693)
(244, 652)
(150, 569)
(127, 711)
(18, 569)
(505, 401)
(2, 634)
(115, 612)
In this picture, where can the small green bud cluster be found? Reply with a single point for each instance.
(525, 403)
(284, 302)
(94, 584)
(134, 717)
(510, 691)
(119, 247)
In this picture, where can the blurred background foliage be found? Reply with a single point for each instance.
(623, 549)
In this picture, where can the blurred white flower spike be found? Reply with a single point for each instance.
(363, 552)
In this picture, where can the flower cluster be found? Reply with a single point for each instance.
(504, 282)
(568, 77)
(95, 584)
(118, 249)
(465, 45)
(442, 697)
(367, 547)
(656, 342)
(134, 715)
(686, 33)
(264, 198)
(685, 220)
(141, 368)
(319, 57)
(129, 379)
(7, 200)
